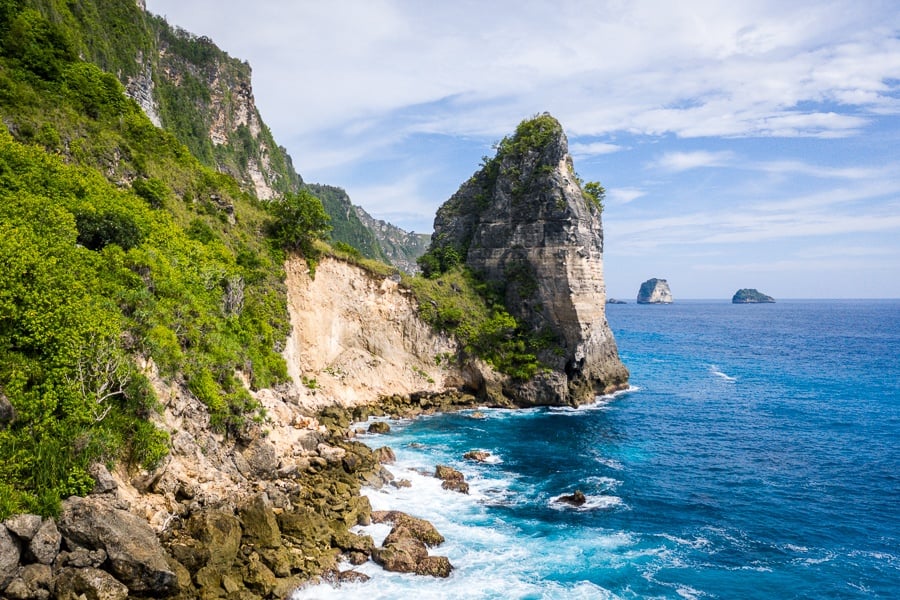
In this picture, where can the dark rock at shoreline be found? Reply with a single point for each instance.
(614, 301)
(576, 499)
(379, 427)
(404, 550)
(385, 455)
(751, 296)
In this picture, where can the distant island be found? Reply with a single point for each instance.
(614, 301)
(654, 291)
(751, 296)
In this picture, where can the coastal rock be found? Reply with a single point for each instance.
(135, 555)
(524, 224)
(477, 455)
(379, 427)
(404, 551)
(258, 519)
(74, 584)
(751, 296)
(35, 582)
(576, 499)
(452, 479)
(385, 455)
(654, 291)
(418, 528)
(103, 480)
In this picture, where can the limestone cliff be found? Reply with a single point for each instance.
(654, 291)
(357, 337)
(524, 225)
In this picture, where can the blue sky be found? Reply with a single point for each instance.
(742, 144)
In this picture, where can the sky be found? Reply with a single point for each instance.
(742, 143)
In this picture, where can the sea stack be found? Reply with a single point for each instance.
(525, 226)
(654, 291)
(751, 296)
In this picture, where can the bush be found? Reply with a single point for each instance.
(299, 221)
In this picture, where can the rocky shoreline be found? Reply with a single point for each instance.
(289, 525)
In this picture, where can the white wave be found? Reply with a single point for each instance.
(592, 502)
(715, 371)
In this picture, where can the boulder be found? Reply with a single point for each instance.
(103, 479)
(44, 546)
(261, 458)
(420, 529)
(379, 427)
(452, 479)
(9, 557)
(385, 455)
(92, 584)
(24, 526)
(35, 582)
(403, 552)
(352, 577)
(477, 455)
(135, 555)
(7, 411)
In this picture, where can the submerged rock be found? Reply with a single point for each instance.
(576, 499)
(452, 479)
(654, 291)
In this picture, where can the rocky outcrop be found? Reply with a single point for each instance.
(357, 337)
(400, 247)
(654, 291)
(451, 479)
(751, 296)
(524, 225)
(405, 549)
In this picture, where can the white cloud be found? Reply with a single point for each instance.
(683, 161)
(593, 149)
(624, 195)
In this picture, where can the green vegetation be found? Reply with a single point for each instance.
(346, 228)
(594, 193)
(456, 302)
(117, 246)
(299, 222)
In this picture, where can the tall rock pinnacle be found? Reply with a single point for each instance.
(524, 224)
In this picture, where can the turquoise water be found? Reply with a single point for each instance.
(756, 456)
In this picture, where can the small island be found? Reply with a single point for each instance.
(654, 291)
(751, 296)
(615, 301)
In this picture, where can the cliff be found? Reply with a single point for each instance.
(524, 225)
(751, 296)
(654, 291)
(400, 247)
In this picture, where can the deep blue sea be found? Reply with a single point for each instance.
(757, 455)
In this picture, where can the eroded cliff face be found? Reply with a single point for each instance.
(524, 225)
(357, 337)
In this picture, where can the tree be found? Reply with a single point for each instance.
(595, 193)
(299, 220)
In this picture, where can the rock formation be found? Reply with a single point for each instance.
(524, 225)
(654, 291)
(751, 296)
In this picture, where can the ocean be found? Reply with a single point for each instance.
(756, 455)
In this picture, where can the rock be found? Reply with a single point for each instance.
(614, 301)
(260, 526)
(435, 566)
(44, 545)
(523, 223)
(379, 427)
(654, 291)
(420, 529)
(7, 412)
(24, 526)
(751, 296)
(103, 480)
(576, 499)
(261, 458)
(401, 483)
(82, 557)
(9, 557)
(257, 576)
(452, 479)
(385, 455)
(477, 455)
(352, 577)
(92, 584)
(135, 555)
(36, 583)
(331, 454)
